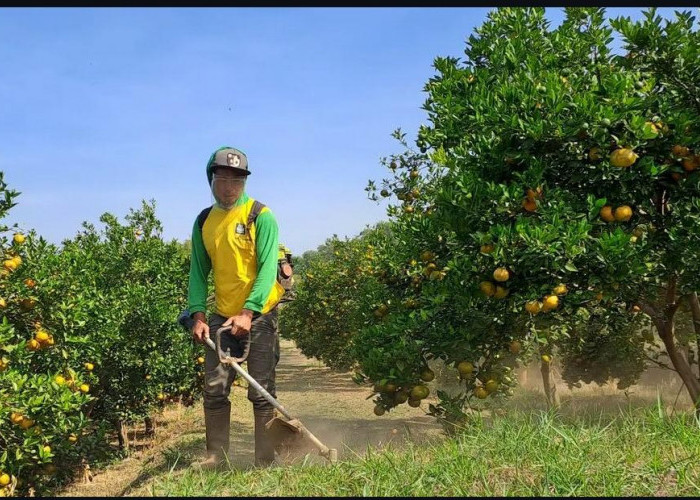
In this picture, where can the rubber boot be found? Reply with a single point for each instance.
(264, 446)
(218, 428)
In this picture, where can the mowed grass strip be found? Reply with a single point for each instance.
(639, 452)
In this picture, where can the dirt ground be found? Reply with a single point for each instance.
(329, 403)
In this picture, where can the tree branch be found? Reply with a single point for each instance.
(647, 308)
(671, 305)
(659, 363)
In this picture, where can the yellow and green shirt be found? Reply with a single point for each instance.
(244, 265)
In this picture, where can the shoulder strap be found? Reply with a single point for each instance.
(255, 211)
(202, 217)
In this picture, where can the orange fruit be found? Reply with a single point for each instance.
(465, 368)
(47, 449)
(42, 336)
(691, 163)
(89, 367)
(560, 289)
(420, 392)
(73, 438)
(500, 293)
(595, 154)
(623, 213)
(679, 150)
(26, 423)
(10, 264)
(161, 396)
(27, 304)
(4, 479)
(59, 379)
(550, 302)
(200, 360)
(606, 213)
(84, 388)
(534, 194)
(486, 248)
(533, 306)
(501, 274)
(491, 385)
(19, 238)
(546, 358)
(33, 344)
(30, 283)
(515, 347)
(623, 158)
(379, 411)
(3, 304)
(487, 288)
(529, 205)
(481, 393)
(427, 256)
(427, 375)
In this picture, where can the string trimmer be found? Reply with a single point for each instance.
(290, 436)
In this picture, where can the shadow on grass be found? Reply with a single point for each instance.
(186, 452)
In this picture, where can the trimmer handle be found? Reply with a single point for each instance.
(217, 346)
(185, 319)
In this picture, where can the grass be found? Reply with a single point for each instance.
(639, 451)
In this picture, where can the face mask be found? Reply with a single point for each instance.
(227, 184)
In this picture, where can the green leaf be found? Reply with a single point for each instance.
(569, 266)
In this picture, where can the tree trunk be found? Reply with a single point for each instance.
(122, 435)
(150, 428)
(522, 376)
(680, 363)
(695, 310)
(550, 388)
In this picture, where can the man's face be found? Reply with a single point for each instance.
(227, 186)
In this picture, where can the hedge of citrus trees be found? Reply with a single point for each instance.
(551, 209)
(88, 342)
(337, 292)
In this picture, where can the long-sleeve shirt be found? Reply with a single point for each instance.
(266, 252)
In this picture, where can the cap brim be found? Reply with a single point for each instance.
(235, 169)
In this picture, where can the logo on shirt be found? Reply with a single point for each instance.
(240, 228)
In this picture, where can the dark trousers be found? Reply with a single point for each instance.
(261, 363)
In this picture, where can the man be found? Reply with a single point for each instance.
(243, 259)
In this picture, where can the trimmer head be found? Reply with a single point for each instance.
(288, 437)
(292, 441)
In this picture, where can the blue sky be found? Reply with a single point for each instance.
(101, 108)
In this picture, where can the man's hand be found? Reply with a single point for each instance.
(240, 323)
(200, 330)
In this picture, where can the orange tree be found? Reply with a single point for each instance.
(556, 189)
(87, 338)
(137, 284)
(42, 417)
(337, 291)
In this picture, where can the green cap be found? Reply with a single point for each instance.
(227, 157)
